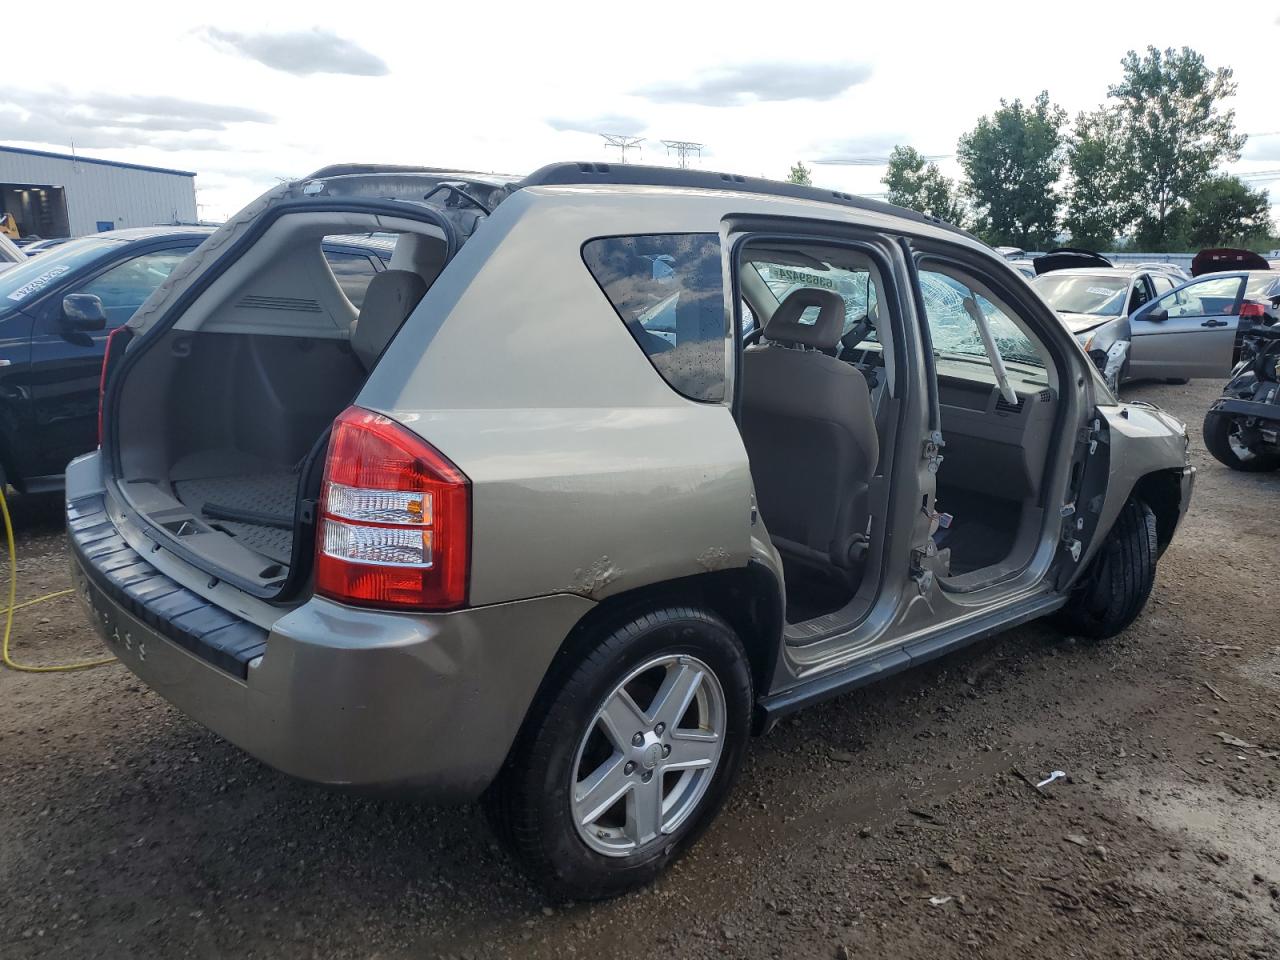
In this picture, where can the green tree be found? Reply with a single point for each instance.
(1012, 161)
(1173, 133)
(800, 174)
(921, 186)
(1226, 212)
(1099, 206)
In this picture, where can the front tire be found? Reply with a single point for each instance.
(1222, 439)
(627, 755)
(1118, 582)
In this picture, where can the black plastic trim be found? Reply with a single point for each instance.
(1246, 408)
(886, 664)
(124, 577)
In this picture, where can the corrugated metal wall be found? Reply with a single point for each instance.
(98, 192)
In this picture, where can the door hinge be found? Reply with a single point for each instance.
(1072, 525)
(932, 451)
(920, 571)
(1090, 434)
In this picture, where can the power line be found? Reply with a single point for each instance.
(683, 150)
(623, 143)
(875, 161)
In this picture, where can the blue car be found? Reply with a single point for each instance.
(57, 310)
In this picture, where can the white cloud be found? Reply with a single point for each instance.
(301, 52)
(751, 82)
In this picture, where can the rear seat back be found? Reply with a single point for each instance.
(388, 301)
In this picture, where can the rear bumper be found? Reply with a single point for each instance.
(333, 694)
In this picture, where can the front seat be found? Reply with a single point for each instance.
(388, 301)
(810, 436)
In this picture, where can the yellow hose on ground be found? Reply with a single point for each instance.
(13, 606)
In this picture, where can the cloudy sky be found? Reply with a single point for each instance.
(245, 93)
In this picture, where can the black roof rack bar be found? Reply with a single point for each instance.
(347, 169)
(564, 174)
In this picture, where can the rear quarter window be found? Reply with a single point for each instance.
(668, 291)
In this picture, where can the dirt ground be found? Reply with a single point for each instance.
(896, 822)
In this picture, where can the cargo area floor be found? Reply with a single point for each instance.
(256, 509)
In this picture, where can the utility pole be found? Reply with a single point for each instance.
(623, 143)
(683, 149)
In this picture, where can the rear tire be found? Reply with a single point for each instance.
(573, 754)
(1118, 582)
(1218, 441)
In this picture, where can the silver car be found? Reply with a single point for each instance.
(613, 468)
(1145, 322)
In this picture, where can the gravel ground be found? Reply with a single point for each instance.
(895, 822)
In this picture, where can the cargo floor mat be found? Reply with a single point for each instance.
(256, 509)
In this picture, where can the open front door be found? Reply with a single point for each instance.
(1189, 332)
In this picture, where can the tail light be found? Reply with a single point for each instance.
(1251, 309)
(395, 520)
(117, 340)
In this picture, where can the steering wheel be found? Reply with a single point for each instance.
(855, 335)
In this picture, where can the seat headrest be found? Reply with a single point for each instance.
(388, 301)
(793, 321)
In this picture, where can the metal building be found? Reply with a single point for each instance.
(63, 195)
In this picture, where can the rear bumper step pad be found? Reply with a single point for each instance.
(187, 619)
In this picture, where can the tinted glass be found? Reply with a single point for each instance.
(353, 272)
(23, 283)
(668, 290)
(1101, 295)
(123, 288)
(954, 331)
(1139, 295)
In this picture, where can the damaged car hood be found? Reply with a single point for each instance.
(1084, 322)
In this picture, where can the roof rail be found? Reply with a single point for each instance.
(346, 169)
(569, 173)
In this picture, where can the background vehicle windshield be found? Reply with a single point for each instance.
(22, 283)
(1099, 295)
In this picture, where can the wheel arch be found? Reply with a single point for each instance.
(1161, 490)
(748, 598)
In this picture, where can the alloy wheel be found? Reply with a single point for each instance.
(648, 755)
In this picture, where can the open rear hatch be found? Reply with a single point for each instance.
(218, 417)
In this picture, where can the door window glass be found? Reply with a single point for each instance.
(949, 302)
(1162, 284)
(1205, 298)
(669, 291)
(123, 288)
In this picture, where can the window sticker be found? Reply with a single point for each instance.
(39, 283)
(799, 276)
(1103, 291)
